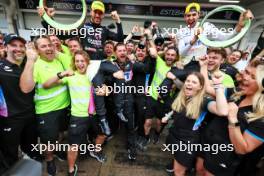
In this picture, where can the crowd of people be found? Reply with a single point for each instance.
(58, 83)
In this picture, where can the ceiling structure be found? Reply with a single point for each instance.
(242, 2)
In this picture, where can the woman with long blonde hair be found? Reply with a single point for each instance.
(243, 128)
(188, 109)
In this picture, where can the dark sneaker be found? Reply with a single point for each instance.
(131, 154)
(99, 156)
(169, 167)
(61, 156)
(155, 138)
(143, 143)
(105, 127)
(74, 172)
(51, 168)
(122, 117)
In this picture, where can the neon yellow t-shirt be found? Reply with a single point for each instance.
(66, 50)
(228, 82)
(160, 74)
(55, 98)
(66, 60)
(79, 88)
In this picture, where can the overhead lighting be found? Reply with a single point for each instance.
(224, 1)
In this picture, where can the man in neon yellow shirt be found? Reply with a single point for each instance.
(50, 104)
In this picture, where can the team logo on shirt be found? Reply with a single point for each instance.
(8, 69)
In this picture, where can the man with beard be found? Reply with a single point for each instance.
(17, 115)
(142, 78)
(135, 73)
(92, 34)
(50, 104)
(155, 106)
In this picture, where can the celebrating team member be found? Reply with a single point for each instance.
(58, 45)
(155, 108)
(127, 100)
(210, 65)
(244, 133)
(81, 120)
(92, 34)
(228, 66)
(17, 115)
(74, 45)
(109, 50)
(189, 106)
(50, 104)
(142, 78)
(190, 47)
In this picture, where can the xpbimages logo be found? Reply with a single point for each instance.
(190, 148)
(83, 148)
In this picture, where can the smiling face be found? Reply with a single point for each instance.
(80, 63)
(130, 48)
(191, 18)
(109, 49)
(192, 86)
(74, 46)
(97, 16)
(121, 53)
(248, 84)
(141, 54)
(214, 61)
(234, 57)
(45, 48)
(56, 42)
(170, 57)
(16, 50)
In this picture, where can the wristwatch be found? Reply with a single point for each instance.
(59, 75)
(236, 124)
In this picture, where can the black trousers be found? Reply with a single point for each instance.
(106, 68)
(128, 111)
(140, 113)
(17, 131)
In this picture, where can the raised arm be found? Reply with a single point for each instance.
(220, 106)
(27, 83)
(119, 36)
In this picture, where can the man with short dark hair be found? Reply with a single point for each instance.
(17, 114)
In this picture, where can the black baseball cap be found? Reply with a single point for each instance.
(11, 37)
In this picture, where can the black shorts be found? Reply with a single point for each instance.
(182, 156)
(154, 109)
(49, 125)
(221, 163)
(79, 127)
